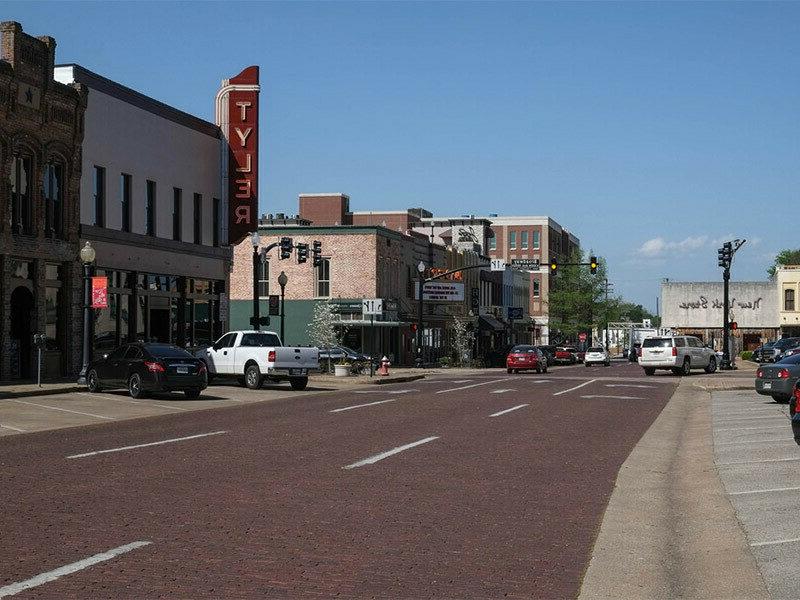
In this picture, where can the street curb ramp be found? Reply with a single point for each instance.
(669, 530)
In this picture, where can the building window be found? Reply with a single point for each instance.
(150, 217)
(536, 288)
(215, 232)
(512, 240)
(99, 217)
(177, 197)
(536, 243)
(323, 284)
(21, 209)
(263, 279)
(788, 300)
(524, 240)
(125, 200)
(198, 218)
(492, 243)
(53, 199)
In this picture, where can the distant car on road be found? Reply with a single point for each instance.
(566, 355)
(597, 355)
(549, 353)
(778, 380)
(680, 354)
(526, 358)
(144, 368)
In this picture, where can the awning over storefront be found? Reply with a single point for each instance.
(490, 323)
(367, 323)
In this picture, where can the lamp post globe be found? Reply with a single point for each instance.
(255, 239)
(421, 267)
(87, 256)
(283, 279)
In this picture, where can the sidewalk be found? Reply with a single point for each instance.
(23, 389)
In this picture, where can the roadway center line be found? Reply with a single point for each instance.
(787, 541)
(464, 387)
(502, 391)
(631, 385)
(373, 392)
(755, 462)
(335, 410)
(614, 397)
(169, 441)
(16, 588)
(508, 410)
(76, 412)
(373, 459)
(784, 489)
(572, 389)
(12, 428)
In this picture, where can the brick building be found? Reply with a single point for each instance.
(41, 131)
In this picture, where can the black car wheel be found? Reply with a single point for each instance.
(93, 382)
(649, 371)
(687, 367)
(192, 394)
(298, 383)
(135, 386)
(252, 377)
(712, 365)
(510, 371)
(781, 399)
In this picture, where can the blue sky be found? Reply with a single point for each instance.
(651, 130)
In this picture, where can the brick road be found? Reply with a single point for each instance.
(504, 506)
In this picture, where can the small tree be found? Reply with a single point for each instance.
(322, 328)
(784, 257)
(463, 338)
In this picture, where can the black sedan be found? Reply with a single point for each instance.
(778, 379)
(143, 368)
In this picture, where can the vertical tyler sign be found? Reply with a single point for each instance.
(237, 117)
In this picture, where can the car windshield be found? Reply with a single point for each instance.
(657, 343)
(522, 349)
(167, 351)
(595, 349)
(260, 340)
(794, 359)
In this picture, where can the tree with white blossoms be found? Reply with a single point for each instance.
(463, 338)
(322, 328)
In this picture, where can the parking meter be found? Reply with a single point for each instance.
(39, 342)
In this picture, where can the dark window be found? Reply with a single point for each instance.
(260, 340)
(99, 219)
(177, 197)
(198, 218)
(227, 340)
(680, 342)
(657, 343)
(21, 209)
(536, 291)
(133, 353)
(125, 200)
(324, 279)
(788, 299)
(150, 217)
(522, 349)
(53, 180)
(216, 222)
(166, 351)
(118, 353)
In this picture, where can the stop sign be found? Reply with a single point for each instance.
(582, 337)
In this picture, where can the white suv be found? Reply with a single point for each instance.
(680, 354)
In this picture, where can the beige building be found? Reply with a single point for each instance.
(788, 282)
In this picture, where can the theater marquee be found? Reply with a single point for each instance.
(237, 117)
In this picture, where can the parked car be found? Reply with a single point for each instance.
(791, 352)
(549, 353)
(597, 355)
(680, 354)
(526, 358)
(256, 356)
(782, 346)
(144, 368)
(580, 355)
(793, 402)
(338, 353)
(760, 353)
(566, 355)
(778, 380)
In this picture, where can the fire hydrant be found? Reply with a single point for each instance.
(384, 370)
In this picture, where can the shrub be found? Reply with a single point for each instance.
(747, 355)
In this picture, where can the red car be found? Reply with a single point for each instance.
(567, 355)
(526, 358)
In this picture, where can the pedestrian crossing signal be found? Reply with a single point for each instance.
(734, 326)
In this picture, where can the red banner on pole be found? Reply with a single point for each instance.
(99, 292)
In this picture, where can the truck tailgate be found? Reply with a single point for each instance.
(296, 358)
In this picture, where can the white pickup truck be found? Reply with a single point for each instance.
(255, 356)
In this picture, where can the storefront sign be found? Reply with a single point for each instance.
(99, 292)
(702, 303)
(237, 117)
(439, 291)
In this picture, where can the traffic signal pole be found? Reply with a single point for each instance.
(725, 258)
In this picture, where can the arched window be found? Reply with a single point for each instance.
(21, 207)
(53, 186)
(788, 299)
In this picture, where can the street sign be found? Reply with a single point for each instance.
(498, 264)
(372, 306)
(514, 312)
(582, 337)
(529, 264)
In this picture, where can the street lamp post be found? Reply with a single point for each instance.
(87, 256)
(420, 359)
(282, 281)
(255, 240)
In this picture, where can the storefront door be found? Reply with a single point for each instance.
(21, 334)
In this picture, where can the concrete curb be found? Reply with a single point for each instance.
(42, 392)
(669, 530)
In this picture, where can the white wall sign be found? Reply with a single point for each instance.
(498, 264)
(372, 306)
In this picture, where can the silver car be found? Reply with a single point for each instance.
(778, 379)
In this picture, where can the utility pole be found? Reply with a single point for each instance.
(607, 286)
(724, 260)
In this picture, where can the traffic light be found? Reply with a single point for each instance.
(553, 267)
(286, 247)
(316, 251)
(721, 257)
(302, 253)
(593, 264)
